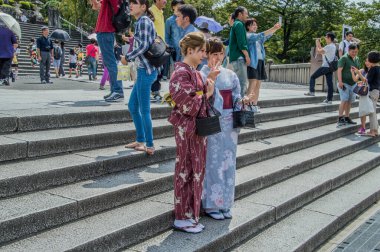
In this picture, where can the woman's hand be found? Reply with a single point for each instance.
(246, 100)
(124, 38)
(123, 60)
(214, 71)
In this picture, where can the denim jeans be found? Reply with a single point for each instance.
(329, 79)
(139, 106)
(92, 67)
(240, 68)
(106, 42)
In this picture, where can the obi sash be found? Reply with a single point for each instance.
(227, 98)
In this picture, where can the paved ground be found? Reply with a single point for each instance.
(74, 94)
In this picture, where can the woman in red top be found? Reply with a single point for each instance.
(187, 91)
(92, 54)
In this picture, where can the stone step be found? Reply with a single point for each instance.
(268, 206)
(41, 143)
(31, 120)
(315, 223)
(32, 175)
(128, 225)
(95, 195)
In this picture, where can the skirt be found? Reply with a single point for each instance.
(257, 73)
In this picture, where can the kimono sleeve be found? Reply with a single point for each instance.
(235, 89)
(182, 91)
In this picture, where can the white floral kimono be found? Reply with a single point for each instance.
(219, 182)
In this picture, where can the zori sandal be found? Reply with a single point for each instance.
(149, 150)
(134, 145)
(188, 229)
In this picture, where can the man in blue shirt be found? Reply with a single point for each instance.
(8, 43)
(45, 54)
(186, 16)
(173, 33)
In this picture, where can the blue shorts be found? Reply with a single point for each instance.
(56, 63)
(347, 95)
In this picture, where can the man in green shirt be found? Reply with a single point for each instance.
(238, 47)
(346, 84)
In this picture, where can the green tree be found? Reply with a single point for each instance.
(365, 21)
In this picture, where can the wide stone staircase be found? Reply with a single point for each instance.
(68, 184)
(29, 31)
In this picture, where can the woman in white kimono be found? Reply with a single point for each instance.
(219, 182)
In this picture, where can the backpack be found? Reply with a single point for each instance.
(157, 54)
(122, 19)
(57, 53)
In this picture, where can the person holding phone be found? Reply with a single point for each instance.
(346, 84)
(256, 68)
(328, 55)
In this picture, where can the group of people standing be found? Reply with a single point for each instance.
(350, 78)
(202, 175)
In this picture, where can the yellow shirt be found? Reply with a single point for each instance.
(159, 21)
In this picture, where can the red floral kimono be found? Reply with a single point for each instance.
(184, 87)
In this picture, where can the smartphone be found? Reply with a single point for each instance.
(280, 20)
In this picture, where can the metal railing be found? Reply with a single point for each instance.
(78, 29)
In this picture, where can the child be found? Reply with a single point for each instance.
(14, 65)
(73, 63)
(80, 57)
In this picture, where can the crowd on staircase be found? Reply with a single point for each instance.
(206, 77)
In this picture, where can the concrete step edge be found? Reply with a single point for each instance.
(219, 243)
(125, 196)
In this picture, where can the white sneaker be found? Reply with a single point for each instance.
(326, 102)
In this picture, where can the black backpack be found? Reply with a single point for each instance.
(57, 53)
(157, 54)
(122, 19)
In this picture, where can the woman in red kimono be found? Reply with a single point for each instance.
(189, 94)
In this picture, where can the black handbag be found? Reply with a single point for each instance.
(210, 125)
(157, 54)
(333, 65)
(361, 90)
(243, 118)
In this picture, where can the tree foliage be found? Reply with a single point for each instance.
(303, 21)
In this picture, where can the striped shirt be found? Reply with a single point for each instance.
(143, 38)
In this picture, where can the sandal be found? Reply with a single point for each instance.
(215, 215)
(134, 145)
(188, 229)
(197, 224)
(149, 150)
(227, 214)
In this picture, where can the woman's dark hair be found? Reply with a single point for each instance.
(32, 40)
(238, 10)
(72, 52)
(249, 22)
(353, 46)
(214, 45)
(147, 5)
(92, 41)
(175, 2)
(331, 35)
(373, 57)
(187, 10)
(80, 45)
